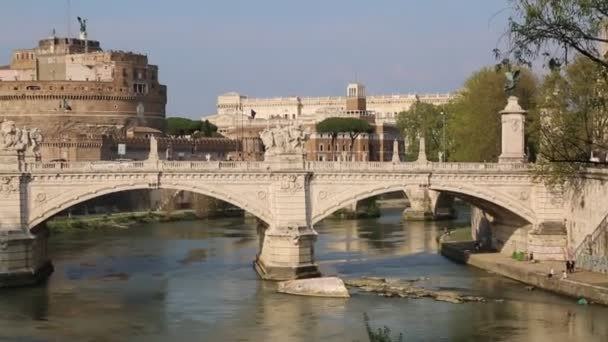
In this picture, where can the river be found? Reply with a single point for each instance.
(194, 281)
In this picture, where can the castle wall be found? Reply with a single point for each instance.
(60, 89)
(89, 105)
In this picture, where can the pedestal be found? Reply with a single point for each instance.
(287, 254)
(285, 161)
(24, 259)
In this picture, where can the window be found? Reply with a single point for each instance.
(321, 147)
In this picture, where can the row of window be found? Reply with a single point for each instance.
(344, 148)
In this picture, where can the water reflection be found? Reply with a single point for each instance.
(194, 281)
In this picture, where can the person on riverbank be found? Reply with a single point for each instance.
(564, 275)
(568, 266)
(572, 266)
(551, 273)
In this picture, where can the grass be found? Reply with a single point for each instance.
(117, 221)
(459, 234)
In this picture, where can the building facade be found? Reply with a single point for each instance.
(384, 107)
(236, 123)
(68, 85)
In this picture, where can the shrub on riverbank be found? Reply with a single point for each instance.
(117, 221)
(380, 335)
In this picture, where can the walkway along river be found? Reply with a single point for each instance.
(194, 281)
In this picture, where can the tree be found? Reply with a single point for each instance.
(574, 106)
(573, 100)
(422, 119)
(334, 126)
(183, 126)
(474, 125)
(537, 27)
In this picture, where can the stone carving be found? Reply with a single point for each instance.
(20, 140)
(41, 197)
(262, 195)
(284, 140)
(8, 185)
(292, 183)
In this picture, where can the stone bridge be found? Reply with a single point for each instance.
(289, 200)
(290, 195)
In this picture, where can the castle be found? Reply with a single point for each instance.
(70, 86)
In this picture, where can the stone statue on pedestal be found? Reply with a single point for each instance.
(284, 140)
(83, 27)
(17, 145)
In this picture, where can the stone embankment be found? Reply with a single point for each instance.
(407, 290)
(581, 284)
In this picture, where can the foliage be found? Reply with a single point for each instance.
(474, 124)
(380, 335)
(426, 119)
(334, 126)
(183, 126)
(519, 256)
(574, 106)
(538, 27)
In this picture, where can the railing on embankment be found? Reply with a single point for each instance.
(592, 253)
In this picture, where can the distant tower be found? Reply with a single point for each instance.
(355, 97)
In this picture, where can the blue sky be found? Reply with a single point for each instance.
(278, 47)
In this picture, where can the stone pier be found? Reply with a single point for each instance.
(23, 252)
(287, 246)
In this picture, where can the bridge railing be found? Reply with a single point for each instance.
(164, 165)
(161, 165)
(411, 166)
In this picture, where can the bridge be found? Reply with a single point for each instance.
(289, 196)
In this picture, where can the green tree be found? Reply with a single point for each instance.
(352, 126)
(183, 126)
(537, 27)
(574, 106)
(573, 96)
(474, 125)
(423, 119)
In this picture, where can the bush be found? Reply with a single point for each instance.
(380, 335)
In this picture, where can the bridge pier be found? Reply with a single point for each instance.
(24, 259)
(287, 253)
(420, 204)
(23, 253)
(287, 245)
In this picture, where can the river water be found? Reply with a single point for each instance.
(194, 281)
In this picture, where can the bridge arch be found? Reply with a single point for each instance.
(497, 204)
(44, 212)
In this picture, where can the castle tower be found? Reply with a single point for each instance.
(355, 97)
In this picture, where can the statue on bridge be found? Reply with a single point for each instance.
(284, 140)
(511, 76)
(13, 139)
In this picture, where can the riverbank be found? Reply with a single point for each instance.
(581, 284)
(124, 220)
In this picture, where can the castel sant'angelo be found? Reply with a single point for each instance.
(69, 86)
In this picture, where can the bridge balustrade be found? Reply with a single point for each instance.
(344, 166)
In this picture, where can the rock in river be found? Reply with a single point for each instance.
(394, 289)
(316, 287)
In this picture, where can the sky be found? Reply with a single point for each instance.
(267, 48)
